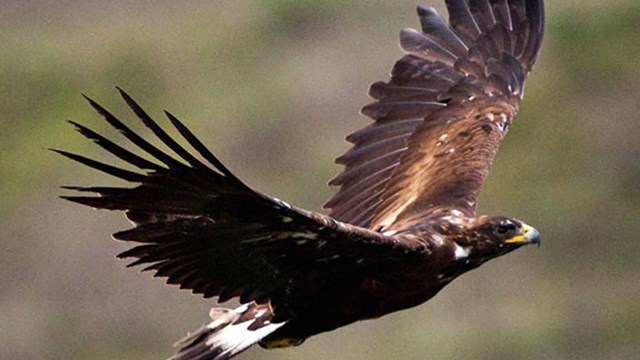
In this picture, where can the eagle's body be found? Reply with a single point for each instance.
(402, 226)
(347, 299)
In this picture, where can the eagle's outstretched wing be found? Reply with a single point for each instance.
(205, 230)
(440, 119)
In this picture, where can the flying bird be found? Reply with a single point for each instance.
(402, 225)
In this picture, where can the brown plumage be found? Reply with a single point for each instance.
(440, 119)
(401, 227)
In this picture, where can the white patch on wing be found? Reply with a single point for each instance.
(300, 237)
(438, 239)
(442, 139)
(456, 220)
(456, 213)
(461, 252)
(309, 236)
(390, 232)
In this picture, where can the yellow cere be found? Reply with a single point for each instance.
(520, 238)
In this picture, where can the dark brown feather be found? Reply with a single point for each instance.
(206, 231)
(440, 119)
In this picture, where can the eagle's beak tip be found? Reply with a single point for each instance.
(532, 236)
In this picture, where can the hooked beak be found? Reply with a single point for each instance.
(529, 236)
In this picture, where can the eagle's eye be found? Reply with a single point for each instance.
(505, 227)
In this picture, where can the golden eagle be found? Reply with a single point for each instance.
(402, 226)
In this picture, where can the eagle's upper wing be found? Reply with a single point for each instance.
(440, 119)
(205, 230)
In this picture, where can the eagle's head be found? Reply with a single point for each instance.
(486, 237)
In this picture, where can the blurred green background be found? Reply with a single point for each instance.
(273, 87)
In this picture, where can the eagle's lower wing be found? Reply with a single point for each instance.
(441, 117)
(203, 229)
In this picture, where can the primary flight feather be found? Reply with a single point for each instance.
(402, 225)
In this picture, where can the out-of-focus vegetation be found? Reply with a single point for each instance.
(273, 87)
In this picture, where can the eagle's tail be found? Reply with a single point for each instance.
(231, 332)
